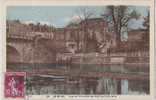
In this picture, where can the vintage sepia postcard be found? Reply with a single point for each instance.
(78, 51)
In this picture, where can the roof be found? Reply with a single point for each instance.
(93, 20)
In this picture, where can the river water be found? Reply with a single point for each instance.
(51, 84)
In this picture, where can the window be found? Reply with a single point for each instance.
(72, 45)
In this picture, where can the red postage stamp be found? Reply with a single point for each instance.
(14, 84)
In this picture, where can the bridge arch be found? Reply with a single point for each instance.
(13, 55)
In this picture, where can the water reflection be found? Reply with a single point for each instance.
(49, 84)
(53, 84)
(100, 68)
(37, 84)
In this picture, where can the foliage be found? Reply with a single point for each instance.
(146, 21)
(118, 17)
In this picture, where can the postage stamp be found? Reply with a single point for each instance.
(14, 84)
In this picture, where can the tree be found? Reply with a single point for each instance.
(83, 14)
(118, 17)
(38, 27)
(146, 25)
(146, 21)
(31, 25)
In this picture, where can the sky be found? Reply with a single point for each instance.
(60, 16)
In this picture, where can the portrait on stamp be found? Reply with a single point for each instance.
(14, 84)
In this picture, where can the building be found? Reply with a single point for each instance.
(92, 31)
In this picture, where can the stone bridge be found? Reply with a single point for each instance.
(29, 48)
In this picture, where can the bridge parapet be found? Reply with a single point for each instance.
(44, 35)
(20, 36)
(30, 35)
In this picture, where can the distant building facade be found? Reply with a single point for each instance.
(99, 39)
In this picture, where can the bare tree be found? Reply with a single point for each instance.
(118, 17)
(83, 14)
